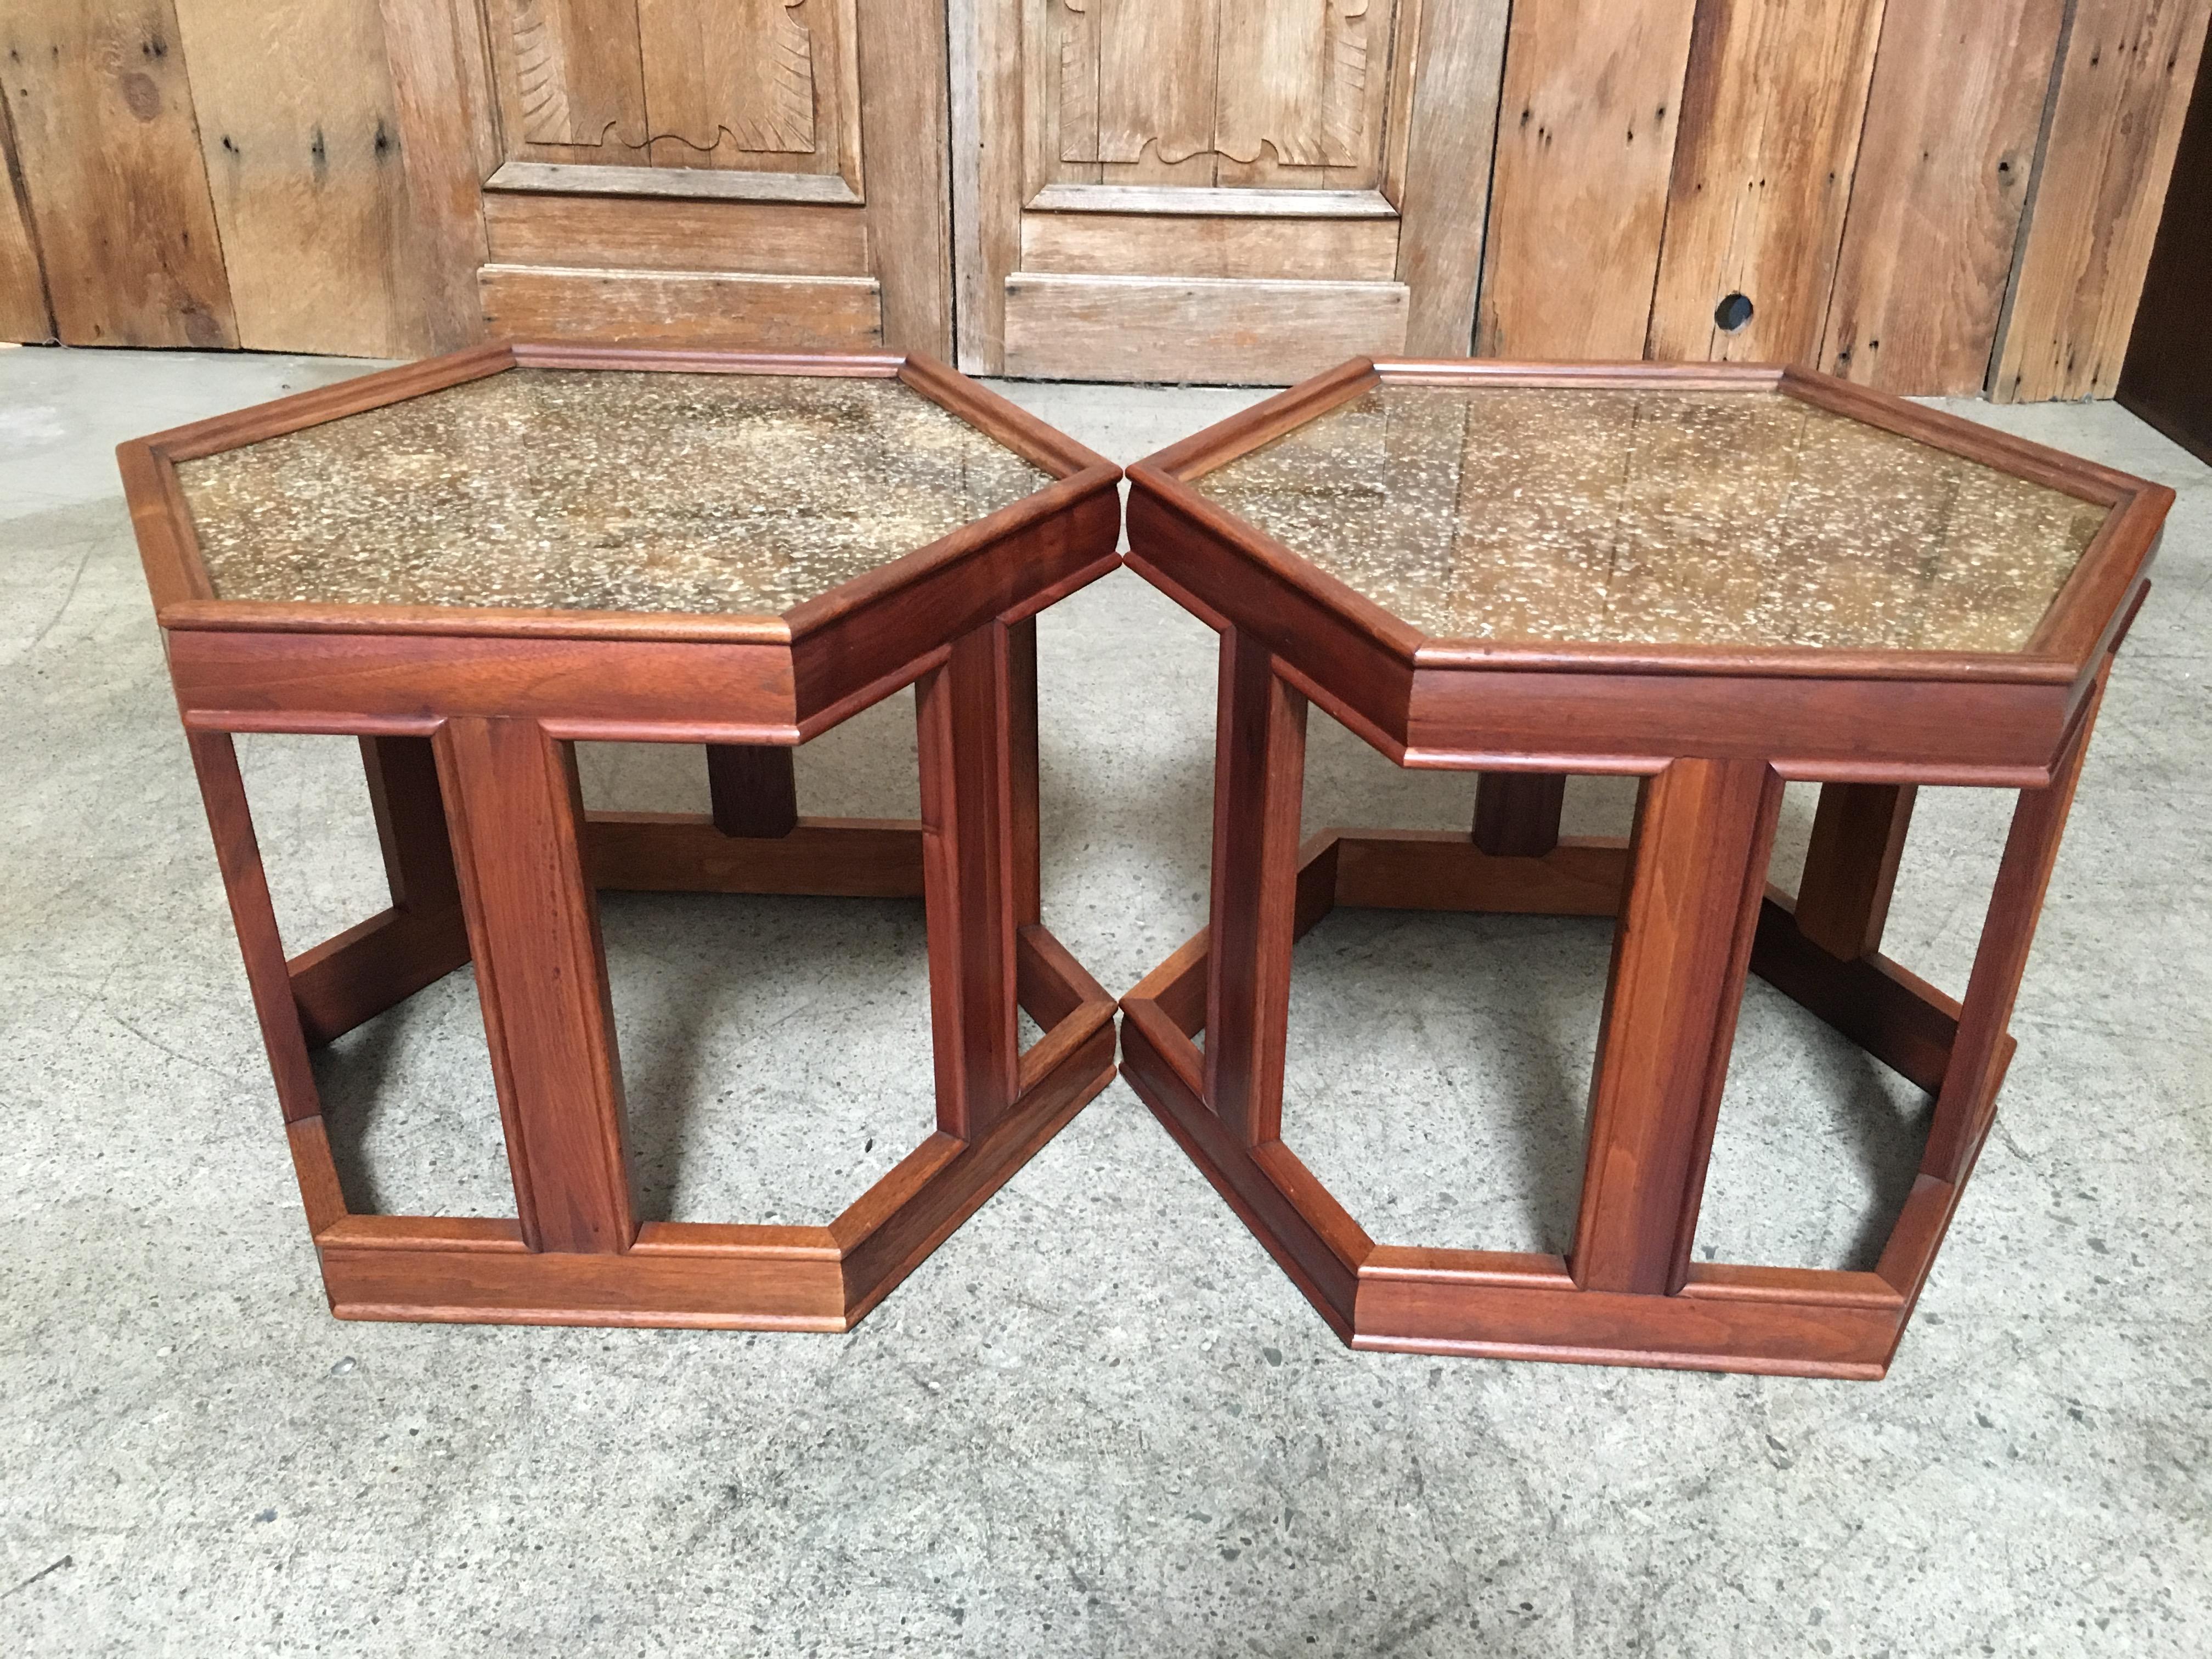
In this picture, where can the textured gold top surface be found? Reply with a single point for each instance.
(1659, 516)
(599, 490)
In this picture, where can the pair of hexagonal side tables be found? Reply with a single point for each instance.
(1714, 579)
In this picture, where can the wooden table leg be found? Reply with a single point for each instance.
(1516, 814)
(517, 816)
(1850, 868)
(754, 789)
(1258, 781)
(966, 750)
(1698, 871)
(1022, 733)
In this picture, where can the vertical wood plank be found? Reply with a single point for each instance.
(102, 117)
(985, 48)
(754, 788)
(442, 102)
(1258, 780)
(1516, 814)
(1698, 871)
(1586, 134)
(2115, 124)
(230, 819)
(962, 713)
(1851, 867)
(24, 313)
(542, 973)
(405, 794)
(1963, 1105)
(302, 148)
(1942, 176)
(1771, 109)
(904, 133)
(1460, 64)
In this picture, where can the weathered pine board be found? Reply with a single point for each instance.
(23, 313)
(1586, 135)
(303, 151)
(2107, 154)
(1942, 177)
(1771, 109)
(1459, 65)
(103, 116)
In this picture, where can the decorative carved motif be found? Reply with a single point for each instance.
(1234, 78)
(629, 74)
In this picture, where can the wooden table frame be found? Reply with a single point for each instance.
(468, 720)
(1713, 733)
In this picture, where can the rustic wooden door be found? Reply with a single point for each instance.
(748, 173)
(1219, 189)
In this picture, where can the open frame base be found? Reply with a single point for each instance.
(1519, 1305)
(689, 1273)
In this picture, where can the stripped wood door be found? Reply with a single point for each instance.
(762, 174)
(1219, 189)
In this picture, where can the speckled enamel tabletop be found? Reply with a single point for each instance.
(599, 490)
(1659, 516)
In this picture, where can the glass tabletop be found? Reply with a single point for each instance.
(1650, 516)
(599, 490)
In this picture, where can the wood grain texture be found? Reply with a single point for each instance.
(1246, 246)
(2109, 144)
(1772, 105)
(24, 313)
(668, 233)
(984, 41)
(517, 821)
(1935, 199)
(303, 152)
(716, 309)
(689, 853)
(754, 789)
(443, 100)
(1459, 65)
(1586, 134)
(101, 113)
(1850, 867)
(905, 133)
(1259, 779)
(1143, 328)
(1516, 814)
(1698, 873)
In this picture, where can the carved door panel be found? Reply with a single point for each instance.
(749, 173)
(1219, 189)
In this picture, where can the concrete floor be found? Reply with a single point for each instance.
(1098, 1421)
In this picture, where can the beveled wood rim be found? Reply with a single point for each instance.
(184, 598)
(2083, 619)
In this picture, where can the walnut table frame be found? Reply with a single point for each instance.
(1713, 733)
(468, 718)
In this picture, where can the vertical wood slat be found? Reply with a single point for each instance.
(1851, 867)
(1771, 109)
(103, 116)
(409, 804)
(1936, 200)
(2000, 960)
(303, 156)
(1586, 133)
(245, 885)
(1460, 62)
(517, 816)
(984, 44)
(754, 789)
(1516, 814)
(2108, 150)
(24, 313)
(903, 140)
(443, 103)
(1679, 955)
(1259, 779)
(964, 743)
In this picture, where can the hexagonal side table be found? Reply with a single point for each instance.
(475, 561)
(1713, 578)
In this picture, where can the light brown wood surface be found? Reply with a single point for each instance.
(1148, 328)
(645, 232)
(905, 133)
(302, 149)
(2114, 126)
(712, 309)
(1453, 127)
(23, 312)
(101, 111)
(1942, 176)
(1242, 245)
(442, 97)
(1771, 109)
(1586, 130)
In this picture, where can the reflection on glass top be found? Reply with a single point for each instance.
(599, 490)
(1649, 517)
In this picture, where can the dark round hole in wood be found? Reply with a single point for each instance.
(1733, 312)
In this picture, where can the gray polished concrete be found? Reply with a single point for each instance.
(1098, 1421)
